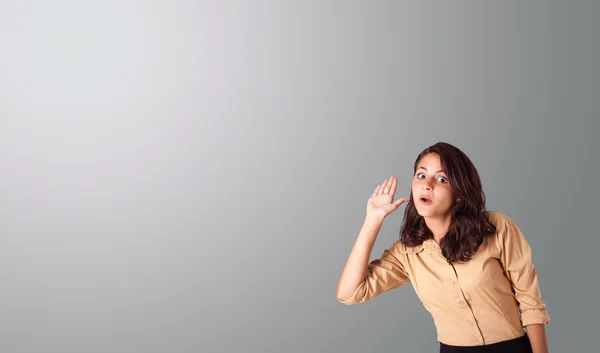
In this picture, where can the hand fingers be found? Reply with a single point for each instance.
(393, 187)
(387, 187)
(401, 200)
(382, 188)
(376, 190)
(390, 186)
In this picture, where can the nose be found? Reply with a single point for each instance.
(426, 186)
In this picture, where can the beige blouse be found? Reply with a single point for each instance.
(486, 300)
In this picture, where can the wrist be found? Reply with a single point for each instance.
(374, 219)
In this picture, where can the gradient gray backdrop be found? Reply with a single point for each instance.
(185, 176)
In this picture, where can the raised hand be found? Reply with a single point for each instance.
(381, 203)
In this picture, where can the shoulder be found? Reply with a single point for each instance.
(500, 220)
(507, 230)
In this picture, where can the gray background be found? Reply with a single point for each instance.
(184, 176)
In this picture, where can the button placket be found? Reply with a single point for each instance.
(463, 304)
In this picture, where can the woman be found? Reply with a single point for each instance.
(470, 267)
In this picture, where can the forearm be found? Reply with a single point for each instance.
(537, 337)
(356, 266)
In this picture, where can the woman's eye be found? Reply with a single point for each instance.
(420, 175)
(442, 179)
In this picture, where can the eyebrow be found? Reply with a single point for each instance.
(441, 170)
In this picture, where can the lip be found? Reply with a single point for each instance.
(425, 203)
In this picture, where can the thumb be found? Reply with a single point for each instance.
(398, 202)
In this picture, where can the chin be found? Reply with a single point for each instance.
(429, 212)
(424, 213)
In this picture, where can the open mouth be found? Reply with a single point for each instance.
(425, 200)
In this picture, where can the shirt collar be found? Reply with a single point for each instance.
(428, 245)
(414, 249)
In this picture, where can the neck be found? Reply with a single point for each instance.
(438, 226)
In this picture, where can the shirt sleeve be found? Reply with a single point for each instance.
(517, 261)
(383, 274)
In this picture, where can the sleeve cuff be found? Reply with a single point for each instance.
(535, 316)
(358, 293)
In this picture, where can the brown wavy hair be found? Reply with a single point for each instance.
(469, 224)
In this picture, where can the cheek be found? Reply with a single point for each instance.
(446, 194)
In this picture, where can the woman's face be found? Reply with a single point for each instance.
(431, 191)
